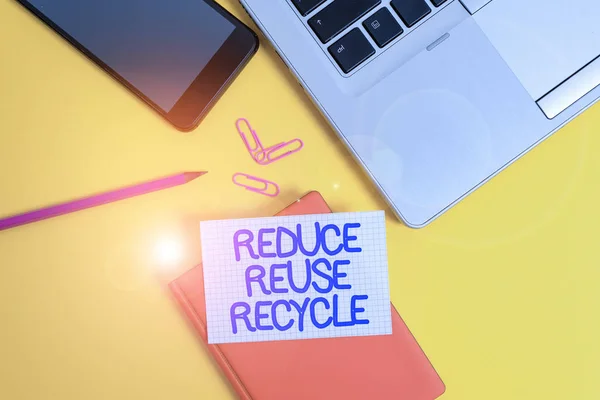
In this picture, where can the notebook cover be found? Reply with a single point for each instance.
(373, 367)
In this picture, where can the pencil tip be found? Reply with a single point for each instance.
(190, 176)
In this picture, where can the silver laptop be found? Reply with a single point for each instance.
(435, 97)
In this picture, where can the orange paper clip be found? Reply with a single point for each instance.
(257, 185)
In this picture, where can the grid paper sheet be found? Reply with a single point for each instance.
(299, 296)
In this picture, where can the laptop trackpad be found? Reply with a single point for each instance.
(454, 117)
(543, 42)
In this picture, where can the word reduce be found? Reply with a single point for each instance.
(323, 275)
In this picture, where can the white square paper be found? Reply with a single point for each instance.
(257, 292)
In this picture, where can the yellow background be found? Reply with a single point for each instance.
(502, 292)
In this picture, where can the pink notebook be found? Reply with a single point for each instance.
(354, 368)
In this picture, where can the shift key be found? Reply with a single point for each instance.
(351, 50)
(305, 7)
(333, 19)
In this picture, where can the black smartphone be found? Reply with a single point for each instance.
(177, 55)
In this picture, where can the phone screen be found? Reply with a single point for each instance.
(158, 46)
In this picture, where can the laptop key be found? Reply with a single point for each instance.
(351, 50)
(411, 11)
(337, 16)
(438, 3)
(383, 27)
(305, 7)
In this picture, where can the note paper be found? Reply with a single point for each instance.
(296, 277)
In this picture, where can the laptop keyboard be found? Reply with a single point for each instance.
(339, 15)
(382, 22)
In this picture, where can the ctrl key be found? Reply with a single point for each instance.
(351, 50)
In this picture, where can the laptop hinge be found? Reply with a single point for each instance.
(571, 90)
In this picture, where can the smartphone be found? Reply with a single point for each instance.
(179, 56)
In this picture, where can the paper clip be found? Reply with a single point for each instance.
(253, 145)
(265, 188)
(259, 153)
(277, 152)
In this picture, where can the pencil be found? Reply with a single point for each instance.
(99, 199)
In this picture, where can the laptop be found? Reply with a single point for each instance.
(435, 97)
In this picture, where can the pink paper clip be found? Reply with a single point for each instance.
(265, 186)
(259, 153)
(277, 152)
(253, 145)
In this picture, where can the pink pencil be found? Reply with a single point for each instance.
(98, 200)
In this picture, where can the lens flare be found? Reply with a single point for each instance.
(169, 252)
